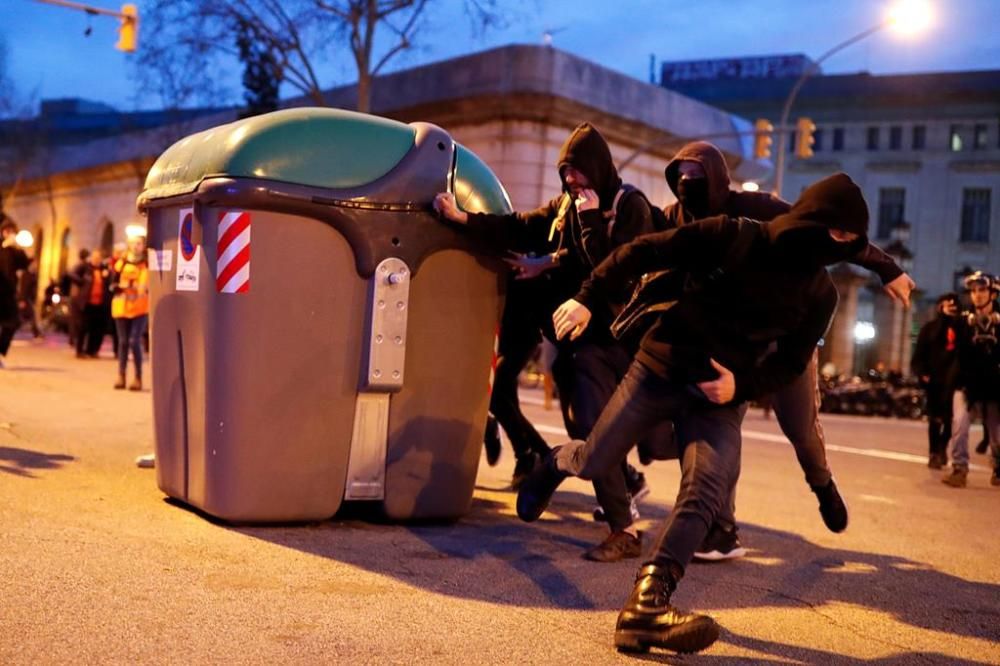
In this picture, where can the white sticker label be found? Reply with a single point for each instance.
(161, 261)
(188, 253)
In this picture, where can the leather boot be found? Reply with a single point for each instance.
(136, 385)
(648, 620)
(538, 487)
(120, 384)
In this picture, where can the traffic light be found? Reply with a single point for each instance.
(763, 137)
(128, 28)
(804, 140)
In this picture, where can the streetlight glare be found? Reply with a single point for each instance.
(909, 17)
(750, 186)
(24, 238)
(135, 230)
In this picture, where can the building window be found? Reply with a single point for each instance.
(838, 138)
(975, 215)
(979, 138)
(872, 138)
(891, 204)
(919, 137)
(955, 138)
(895, 137)
(817, 140)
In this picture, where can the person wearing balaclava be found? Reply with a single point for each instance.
(591, 218)
(738, 331)
(699, 178)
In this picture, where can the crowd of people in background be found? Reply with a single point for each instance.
(105, 295)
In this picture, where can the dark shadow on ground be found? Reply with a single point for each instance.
(23, 460)
(490, 556)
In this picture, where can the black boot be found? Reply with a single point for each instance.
(538, 487)
(832, 507)
(648, 620)
(524, 466)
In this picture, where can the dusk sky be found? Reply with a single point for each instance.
(48, 55)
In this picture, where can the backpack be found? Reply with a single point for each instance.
(659, 291)
(659, 219)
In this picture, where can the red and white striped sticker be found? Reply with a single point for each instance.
(233, 268)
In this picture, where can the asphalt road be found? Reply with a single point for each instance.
(98, 568)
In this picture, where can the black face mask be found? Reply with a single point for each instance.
(812, 247)
(693, 195)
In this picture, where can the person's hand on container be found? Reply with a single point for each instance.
(527, 267)
(571, 318)
(447, 207)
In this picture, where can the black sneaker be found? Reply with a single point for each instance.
(983, 445)
(648, 620)
(719, 545)
(491, 440)
(538, 487)
(831, 506)
(635, 482)
(525, 465)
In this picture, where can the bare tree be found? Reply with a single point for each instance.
(299, 34)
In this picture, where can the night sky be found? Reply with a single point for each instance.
(48, 55)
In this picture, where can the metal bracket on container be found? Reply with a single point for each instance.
(390, 302)
(383, 374)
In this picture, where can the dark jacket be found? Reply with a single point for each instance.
(763, 319)
(935, 356)
(582, 241)
(979, 355)
(761, 206)
(81, 279)
(12, 260)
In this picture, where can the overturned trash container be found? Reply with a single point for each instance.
(318, 336)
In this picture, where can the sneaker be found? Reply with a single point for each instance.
(957, 478)
(491, 440)
(648, 620)
(524, 466)
(602, 517)
(537, 489)
(618, 546)
(832, 507)
(995, 478)
(635, 482)
(720, 545)
(983, 446)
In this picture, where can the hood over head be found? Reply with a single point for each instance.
(802, 234)
(713, 162)
(587, 152)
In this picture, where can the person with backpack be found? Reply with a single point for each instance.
(699, 178)
(594, 215)
(737, 331)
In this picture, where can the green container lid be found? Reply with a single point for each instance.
(320, 147)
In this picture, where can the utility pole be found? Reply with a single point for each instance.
(128, 20)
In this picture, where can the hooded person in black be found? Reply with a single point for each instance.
(699, 178)
(583, 224)
(935, 363)
(736, 332)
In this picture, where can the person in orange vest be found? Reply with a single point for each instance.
(130, 308)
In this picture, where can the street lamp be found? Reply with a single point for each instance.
(24, 238)
(907, 17)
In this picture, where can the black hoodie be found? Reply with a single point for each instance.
(582, 240)
(761, 206)
(779, 295)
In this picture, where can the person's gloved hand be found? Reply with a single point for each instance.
(447, 207)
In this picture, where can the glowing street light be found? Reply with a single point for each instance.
(864, 331)
(134, 231)
(905, 17)
(24, 238)
(750, 186)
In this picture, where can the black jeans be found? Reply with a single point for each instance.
(796, 406)
(709, 465)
